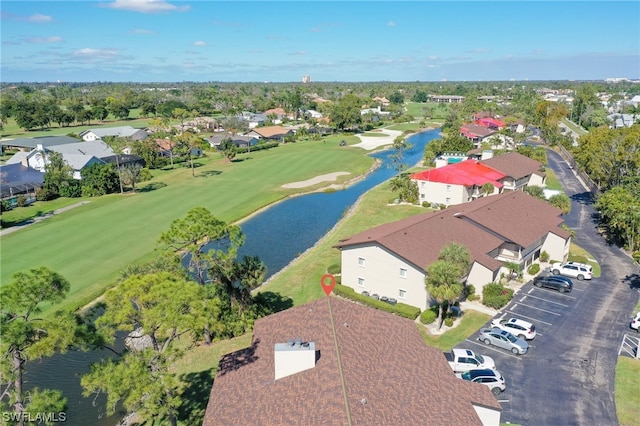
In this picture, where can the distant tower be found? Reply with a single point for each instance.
(306, 79)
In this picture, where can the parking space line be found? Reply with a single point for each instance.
(524, 316)
(550, 301)
(540, 309)
(493, 348)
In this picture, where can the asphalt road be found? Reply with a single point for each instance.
(567, 378)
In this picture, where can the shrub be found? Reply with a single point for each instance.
(400, 309)
(22, 201)
(334, 269)
(470, 292)
(534, 269)
(5, 205)
(544, 256)
(448, 321)
(426, 204)
(45, 194)
(496, 295)
(636, 256)
(429, 315)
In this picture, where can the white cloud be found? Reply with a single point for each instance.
(391, 24)
(200, 43)
(141, 31)
(39, 18)
(52, 39)
(36, 18)
(90, 53)
(146, 6)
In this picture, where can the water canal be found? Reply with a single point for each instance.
(277, 235)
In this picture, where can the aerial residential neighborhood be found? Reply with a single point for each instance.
(396, 213)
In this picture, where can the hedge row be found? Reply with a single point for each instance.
(400, 309)
(265, 145)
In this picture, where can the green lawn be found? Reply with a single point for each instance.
(552, 181)
(627, 396)
(470, 322)
(90, 244)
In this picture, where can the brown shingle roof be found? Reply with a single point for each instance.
(515, 165)
(481, 226)
(271, 131)
(474, 129)
(390, 376)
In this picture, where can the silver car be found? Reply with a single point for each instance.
(503, 339)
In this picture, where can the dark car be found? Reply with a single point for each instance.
(562, 284)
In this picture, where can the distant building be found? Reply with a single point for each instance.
(306, 79)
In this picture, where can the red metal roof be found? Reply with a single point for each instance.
(490, 122)
(467, 173)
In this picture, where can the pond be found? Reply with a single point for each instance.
(277, 235)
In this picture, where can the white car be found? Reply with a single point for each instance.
(577, 270)
(635, 322)
(515, 326)
(487, 376)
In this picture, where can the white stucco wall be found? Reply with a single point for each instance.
(90, 137)
(381, 275)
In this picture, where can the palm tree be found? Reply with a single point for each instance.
(443, 284)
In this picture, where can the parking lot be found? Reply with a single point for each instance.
(527, 376)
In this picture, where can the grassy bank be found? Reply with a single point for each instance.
(301, 280)
(627, 396)
(90, 244)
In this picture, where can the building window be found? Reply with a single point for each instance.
(421, 195)
(448, 188)
(361, 282)
(361, 261)
(422, 183)
(448, 200)
(402, 294)
(403, 273)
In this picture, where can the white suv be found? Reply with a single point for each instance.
(487, 376)
(577, 270)
(516, 326)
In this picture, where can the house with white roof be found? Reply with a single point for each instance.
(78, 155)
(122, 131)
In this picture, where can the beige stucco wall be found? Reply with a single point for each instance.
(381, 275)
(488, 416)
(442, 193)
(537, 180)
(557, 247)
(479, 276)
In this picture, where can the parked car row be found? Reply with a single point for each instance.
(507, 333)
(389, 300)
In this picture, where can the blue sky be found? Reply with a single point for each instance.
(157, 40)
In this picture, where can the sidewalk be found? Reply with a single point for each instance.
(37, 219)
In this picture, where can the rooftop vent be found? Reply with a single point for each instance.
(293, 357)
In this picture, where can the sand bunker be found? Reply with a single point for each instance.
(330, 177)
(373, 142)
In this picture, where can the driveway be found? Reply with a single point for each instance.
(567, 378)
